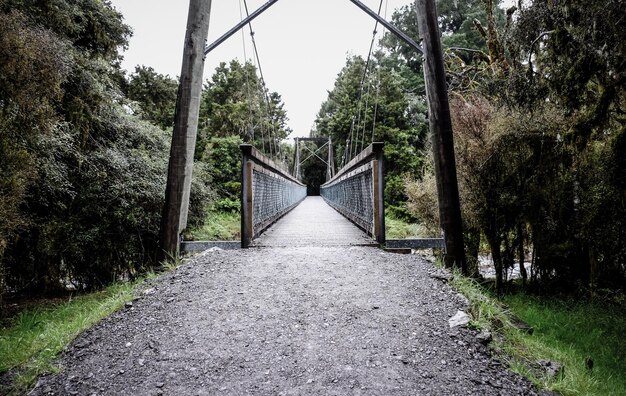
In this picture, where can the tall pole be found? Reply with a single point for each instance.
(296, 172)
(441, 134)
(330, 164)
(180, 168)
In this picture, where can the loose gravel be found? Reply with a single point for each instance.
(287, 321)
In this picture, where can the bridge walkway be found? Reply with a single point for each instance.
(313, 223)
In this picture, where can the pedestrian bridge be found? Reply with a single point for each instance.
(276, 212)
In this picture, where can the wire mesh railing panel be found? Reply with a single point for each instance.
(357, 190)
(267, 193)
(353, 196)
(272, 197)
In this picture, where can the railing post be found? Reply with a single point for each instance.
(379, 192)
(247, 230)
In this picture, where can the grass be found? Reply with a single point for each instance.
(575, 331)
(219, 226)
(36, 336)
(399, 229)
(565, 331)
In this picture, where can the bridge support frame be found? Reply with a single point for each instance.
(442, 137)
(180, 167)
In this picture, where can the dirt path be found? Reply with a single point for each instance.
(287, 321)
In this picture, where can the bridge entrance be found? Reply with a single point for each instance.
(178, 187)
(305, 155)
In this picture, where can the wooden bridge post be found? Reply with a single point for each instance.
(379, 193)
(178, 187)
(330, 165)
(296, 163)
(247, 227)
(441, 131)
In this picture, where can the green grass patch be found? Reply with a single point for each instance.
(218, 226)
(568, 332)
(399, 229)
(574, 332)
(36, 336)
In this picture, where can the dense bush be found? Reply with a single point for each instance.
(539, 138)
(81, 181)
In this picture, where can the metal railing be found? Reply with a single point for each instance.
(357, 191)
(267, 193)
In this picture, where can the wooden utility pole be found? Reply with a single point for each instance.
(180, 168)
(441, 132)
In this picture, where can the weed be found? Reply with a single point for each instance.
(576, 334)
(36, 336)
(218, 226)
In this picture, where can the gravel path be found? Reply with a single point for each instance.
(287, 321)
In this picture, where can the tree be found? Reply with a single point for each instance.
(379, 110)
(155, 94)
(539, 133)
(235, 103)
(82, 181)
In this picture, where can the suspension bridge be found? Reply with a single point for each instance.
(356, 190)
(306, 303)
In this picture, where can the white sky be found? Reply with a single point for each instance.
(302, 43)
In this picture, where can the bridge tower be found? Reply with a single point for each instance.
(330, 161)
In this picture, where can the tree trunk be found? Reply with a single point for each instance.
(494, 246)
(520, 253)
(180, 168)
(472, 240)
(442, 138)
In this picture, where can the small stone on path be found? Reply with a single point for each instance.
(459, 319)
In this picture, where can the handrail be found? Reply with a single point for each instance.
(357, 191)
(267, 193)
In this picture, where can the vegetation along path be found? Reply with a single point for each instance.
(287, 321)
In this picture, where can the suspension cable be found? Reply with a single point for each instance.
(378, 81)
(277, 148)
(247, 77)
(360, 97)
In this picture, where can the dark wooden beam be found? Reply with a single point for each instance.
(441, 133)
(180, 167)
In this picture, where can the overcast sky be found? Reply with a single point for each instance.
(302, 43)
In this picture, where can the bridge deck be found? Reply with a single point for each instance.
(313, 223)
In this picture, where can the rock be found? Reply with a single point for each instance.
(148, 291)
(129, 304)
(441, 275)
(160, 384)
(82, 344)
(551, 368)
(215, 249)
(521, 325)
(484, 337)
(459, 319)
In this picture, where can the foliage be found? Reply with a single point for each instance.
(236, 103)
(35, 337)
(539, 131)
(568, 332)
(379, 110)
(82, 182)
(219, 225)
(155, 95)
(222, 158)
